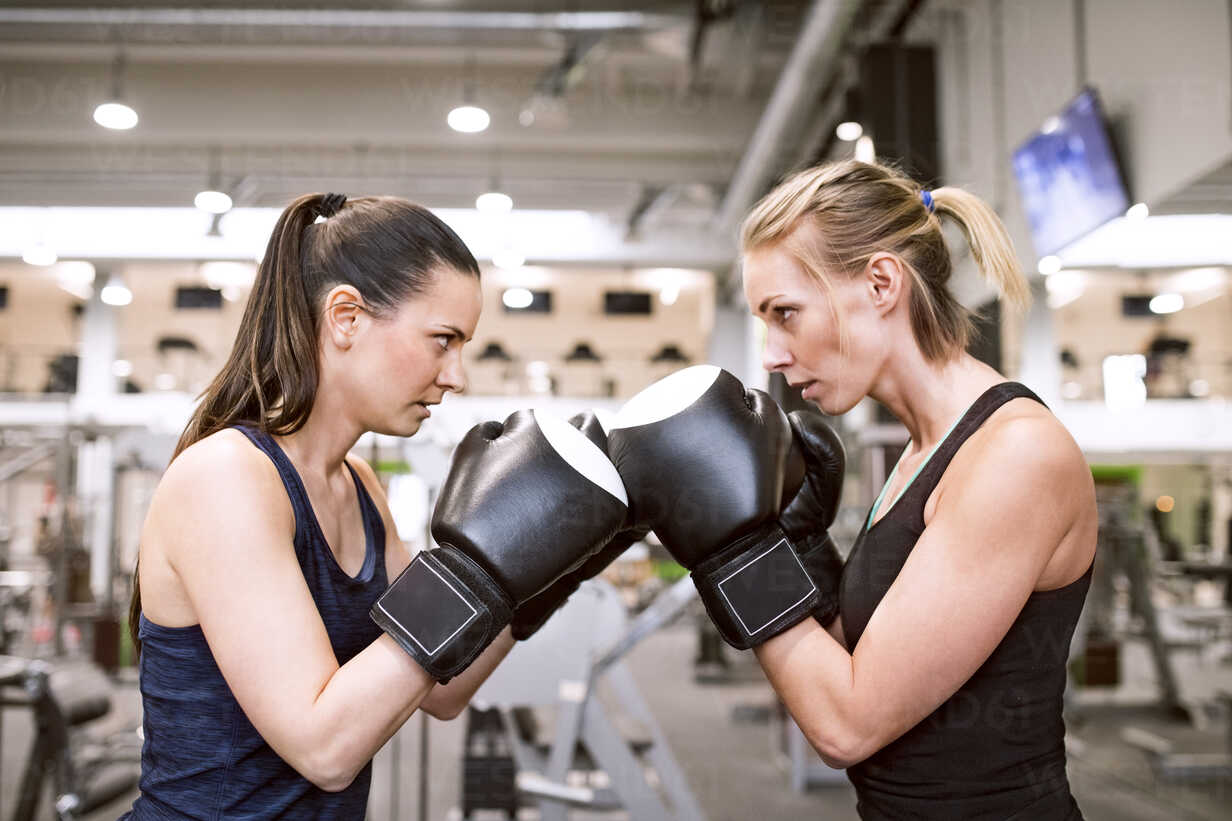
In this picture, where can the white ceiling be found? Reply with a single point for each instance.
(644, 111)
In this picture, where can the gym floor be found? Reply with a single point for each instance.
(721, 738)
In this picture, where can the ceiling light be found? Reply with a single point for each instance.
(582, 352)
(849, 131)
(865, 151)
(213, 202)
(670, 353)
(122, 368)
(494, 202)
(517, 298)
(116, 293)
(40, 253)
(115, 115)
(1138, 211)
(508, 258)
(669, 294)
(468, 119)
(493, 350)
(1166, 303)
(1049, 265)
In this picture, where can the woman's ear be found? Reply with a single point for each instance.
(343, 315)
(886, 281)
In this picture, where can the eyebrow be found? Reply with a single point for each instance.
(456, 332)
(761, 309)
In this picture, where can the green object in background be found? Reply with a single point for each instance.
(669, 571)
(391, 466)
(125, 651)
(1117, 474)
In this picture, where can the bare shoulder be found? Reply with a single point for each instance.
(212, 498)
(221, 476)
(214, 465)
(1024, 465)
(1024, 441)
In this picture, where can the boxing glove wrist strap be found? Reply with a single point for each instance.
(443, 610)
(821, 559)
(755, 588)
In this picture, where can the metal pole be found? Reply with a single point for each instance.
(64, 484)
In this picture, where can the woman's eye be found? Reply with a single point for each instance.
(443, 340)
(784, 313)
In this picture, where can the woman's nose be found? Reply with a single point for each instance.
(775, 356)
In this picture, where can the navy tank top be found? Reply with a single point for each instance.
(994, 749)
(202, 758)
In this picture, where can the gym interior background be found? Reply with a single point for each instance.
(597, 156)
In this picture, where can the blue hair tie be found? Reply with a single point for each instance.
(927, 197)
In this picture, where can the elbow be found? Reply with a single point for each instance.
(334, 783)
(446, 711)
(326, 769)
(838, 746)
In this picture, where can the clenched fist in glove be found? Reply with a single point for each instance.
(533, 614)
(525, 502)
(703, 462)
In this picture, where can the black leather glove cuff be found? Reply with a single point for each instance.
(755, 588)
(821, 559)
(443, 610)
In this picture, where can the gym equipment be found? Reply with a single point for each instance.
(564, 665)
(85, 772)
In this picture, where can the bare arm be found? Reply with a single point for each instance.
(444, 701)
(959, 591)
(227, 525)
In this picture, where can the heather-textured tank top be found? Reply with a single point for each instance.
(202, 758)
(995, 748)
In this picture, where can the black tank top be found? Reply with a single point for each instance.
(995, 749)
(202, 757)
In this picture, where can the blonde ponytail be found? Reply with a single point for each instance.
(990, 242)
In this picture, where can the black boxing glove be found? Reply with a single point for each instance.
(533, 614)
(524, 502)
(810, 512)
(703, 462)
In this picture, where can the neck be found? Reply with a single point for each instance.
(326, 437)
(927, 397)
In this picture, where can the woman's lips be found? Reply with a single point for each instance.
(809, 391)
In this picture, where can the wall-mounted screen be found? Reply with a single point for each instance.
(1068, 175)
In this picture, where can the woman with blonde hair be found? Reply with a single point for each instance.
(939, 684)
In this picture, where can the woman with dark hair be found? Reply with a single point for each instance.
(267, 688)
(938, 683)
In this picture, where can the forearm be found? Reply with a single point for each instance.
(815, 678)
(361, 706)
(447, 701)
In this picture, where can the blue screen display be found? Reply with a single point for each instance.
(1068, 176)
